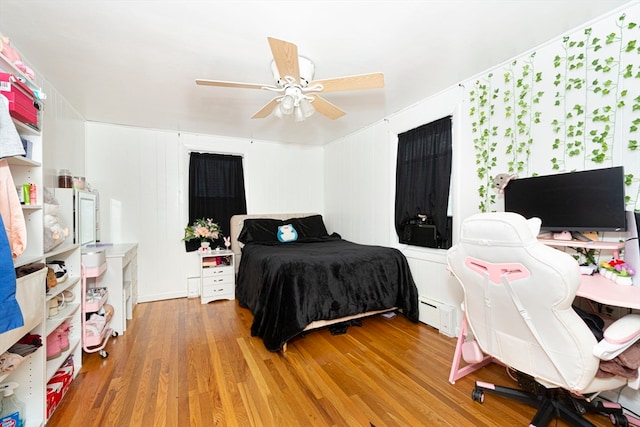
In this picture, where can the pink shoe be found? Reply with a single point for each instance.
(63, 334)
(53, 345)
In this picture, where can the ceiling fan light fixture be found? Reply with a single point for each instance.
(306, 108)
(298, 116)
(287, 104)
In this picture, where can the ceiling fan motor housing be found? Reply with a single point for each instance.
(307, 70)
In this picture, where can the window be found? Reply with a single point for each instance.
(423, 176)
(216, 191)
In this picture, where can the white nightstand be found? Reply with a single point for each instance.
(217, 276)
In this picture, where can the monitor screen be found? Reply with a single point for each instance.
(591, 200)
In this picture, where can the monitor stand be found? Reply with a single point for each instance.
(579, 236)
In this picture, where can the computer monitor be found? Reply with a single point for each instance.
(591, 200)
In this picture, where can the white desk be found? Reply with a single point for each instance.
(121, 279)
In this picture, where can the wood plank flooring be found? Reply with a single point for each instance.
(182, 363)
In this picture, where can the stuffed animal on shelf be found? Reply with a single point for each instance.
(501, 181)
(14, 57)
(54, 232)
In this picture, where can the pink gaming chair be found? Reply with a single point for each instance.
(518, 296)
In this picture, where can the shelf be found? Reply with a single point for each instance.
(580, 244)
(66, 246)
(9, 67)
(95, 271)
(26, 259)
(61, 287)
(31, 207)
(54, 364)
(22, 161)
(93, 305)
(98, 340)
(64, 313)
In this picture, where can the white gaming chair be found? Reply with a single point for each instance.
(518, 296)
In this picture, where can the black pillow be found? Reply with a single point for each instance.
(309, 227)
(260, 230)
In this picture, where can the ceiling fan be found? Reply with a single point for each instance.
(298, 94)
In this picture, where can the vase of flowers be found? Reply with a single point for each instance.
(203, 229)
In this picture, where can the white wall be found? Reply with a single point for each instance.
(62, 135)
(142, 177)
(363, 211)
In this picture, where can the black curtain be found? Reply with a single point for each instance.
(216, 191)
(423, 174)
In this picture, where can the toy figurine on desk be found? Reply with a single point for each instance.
(618, 271)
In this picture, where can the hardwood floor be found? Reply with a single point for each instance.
(182, 363)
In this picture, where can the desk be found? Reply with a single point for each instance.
(121, 278)
(596, 287)
(605, 291)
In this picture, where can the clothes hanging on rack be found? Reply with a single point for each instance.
(11, 314)
(10, 142)
(11, 211)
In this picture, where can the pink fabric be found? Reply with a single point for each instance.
(11, 211)
(626, 364)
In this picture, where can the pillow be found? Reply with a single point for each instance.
(287, 233)
(309, 226)
(261, 230)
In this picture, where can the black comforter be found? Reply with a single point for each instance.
(288, 286)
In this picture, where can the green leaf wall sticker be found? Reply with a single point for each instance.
(571, 102)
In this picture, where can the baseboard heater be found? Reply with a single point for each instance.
(437, 315)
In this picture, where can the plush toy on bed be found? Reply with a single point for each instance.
(54, 232)
(286, 233)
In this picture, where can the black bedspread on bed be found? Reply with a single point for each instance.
(287, 286)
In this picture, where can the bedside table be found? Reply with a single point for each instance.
(217, 276)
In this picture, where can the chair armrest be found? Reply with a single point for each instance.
(619, 336)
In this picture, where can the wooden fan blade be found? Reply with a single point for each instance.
(323, 106)
(221, 83)
(267, 109)
(285, 55)
(358, 82)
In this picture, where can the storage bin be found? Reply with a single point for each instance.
(21, 99)
(30, 293)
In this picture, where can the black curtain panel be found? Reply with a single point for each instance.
(423, 174)
(216, 191)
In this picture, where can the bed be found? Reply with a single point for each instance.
(293, 285)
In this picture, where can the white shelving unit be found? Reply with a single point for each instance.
(35, 371)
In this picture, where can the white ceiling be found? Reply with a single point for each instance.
(135, 62)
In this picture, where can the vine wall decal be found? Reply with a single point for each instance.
(572, 105)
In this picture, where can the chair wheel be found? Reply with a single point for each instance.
(104, 354)
(477, 395)
(114, 334)
(619, 420)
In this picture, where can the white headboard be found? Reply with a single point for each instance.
(237, 222)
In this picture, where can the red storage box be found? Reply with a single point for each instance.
(21, 99)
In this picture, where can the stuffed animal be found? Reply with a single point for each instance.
(286, 233)
(14, 57)
(54, 232)
(501, 181)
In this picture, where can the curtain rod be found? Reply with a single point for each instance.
(217, 152)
